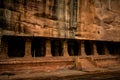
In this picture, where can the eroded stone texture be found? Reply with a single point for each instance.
(79, 19)
(59, 34)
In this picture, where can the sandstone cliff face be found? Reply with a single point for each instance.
(77, 19)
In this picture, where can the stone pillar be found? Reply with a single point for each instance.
(82, 49)
(48, 48)
(28, 49)
(95, 53)
(65, 48)
(106, 52)
(4, 49)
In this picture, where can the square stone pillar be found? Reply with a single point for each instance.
(4, 49)
(28, 49)
(95, 53)
(48, 48)
(82, 49)
(65, 48)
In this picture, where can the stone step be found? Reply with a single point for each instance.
(84, 63)
(107, 63)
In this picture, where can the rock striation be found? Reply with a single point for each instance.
(76, 19)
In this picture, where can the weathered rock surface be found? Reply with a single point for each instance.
(78, 19)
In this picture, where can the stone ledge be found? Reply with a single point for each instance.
(97, 58)
(36, 60)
